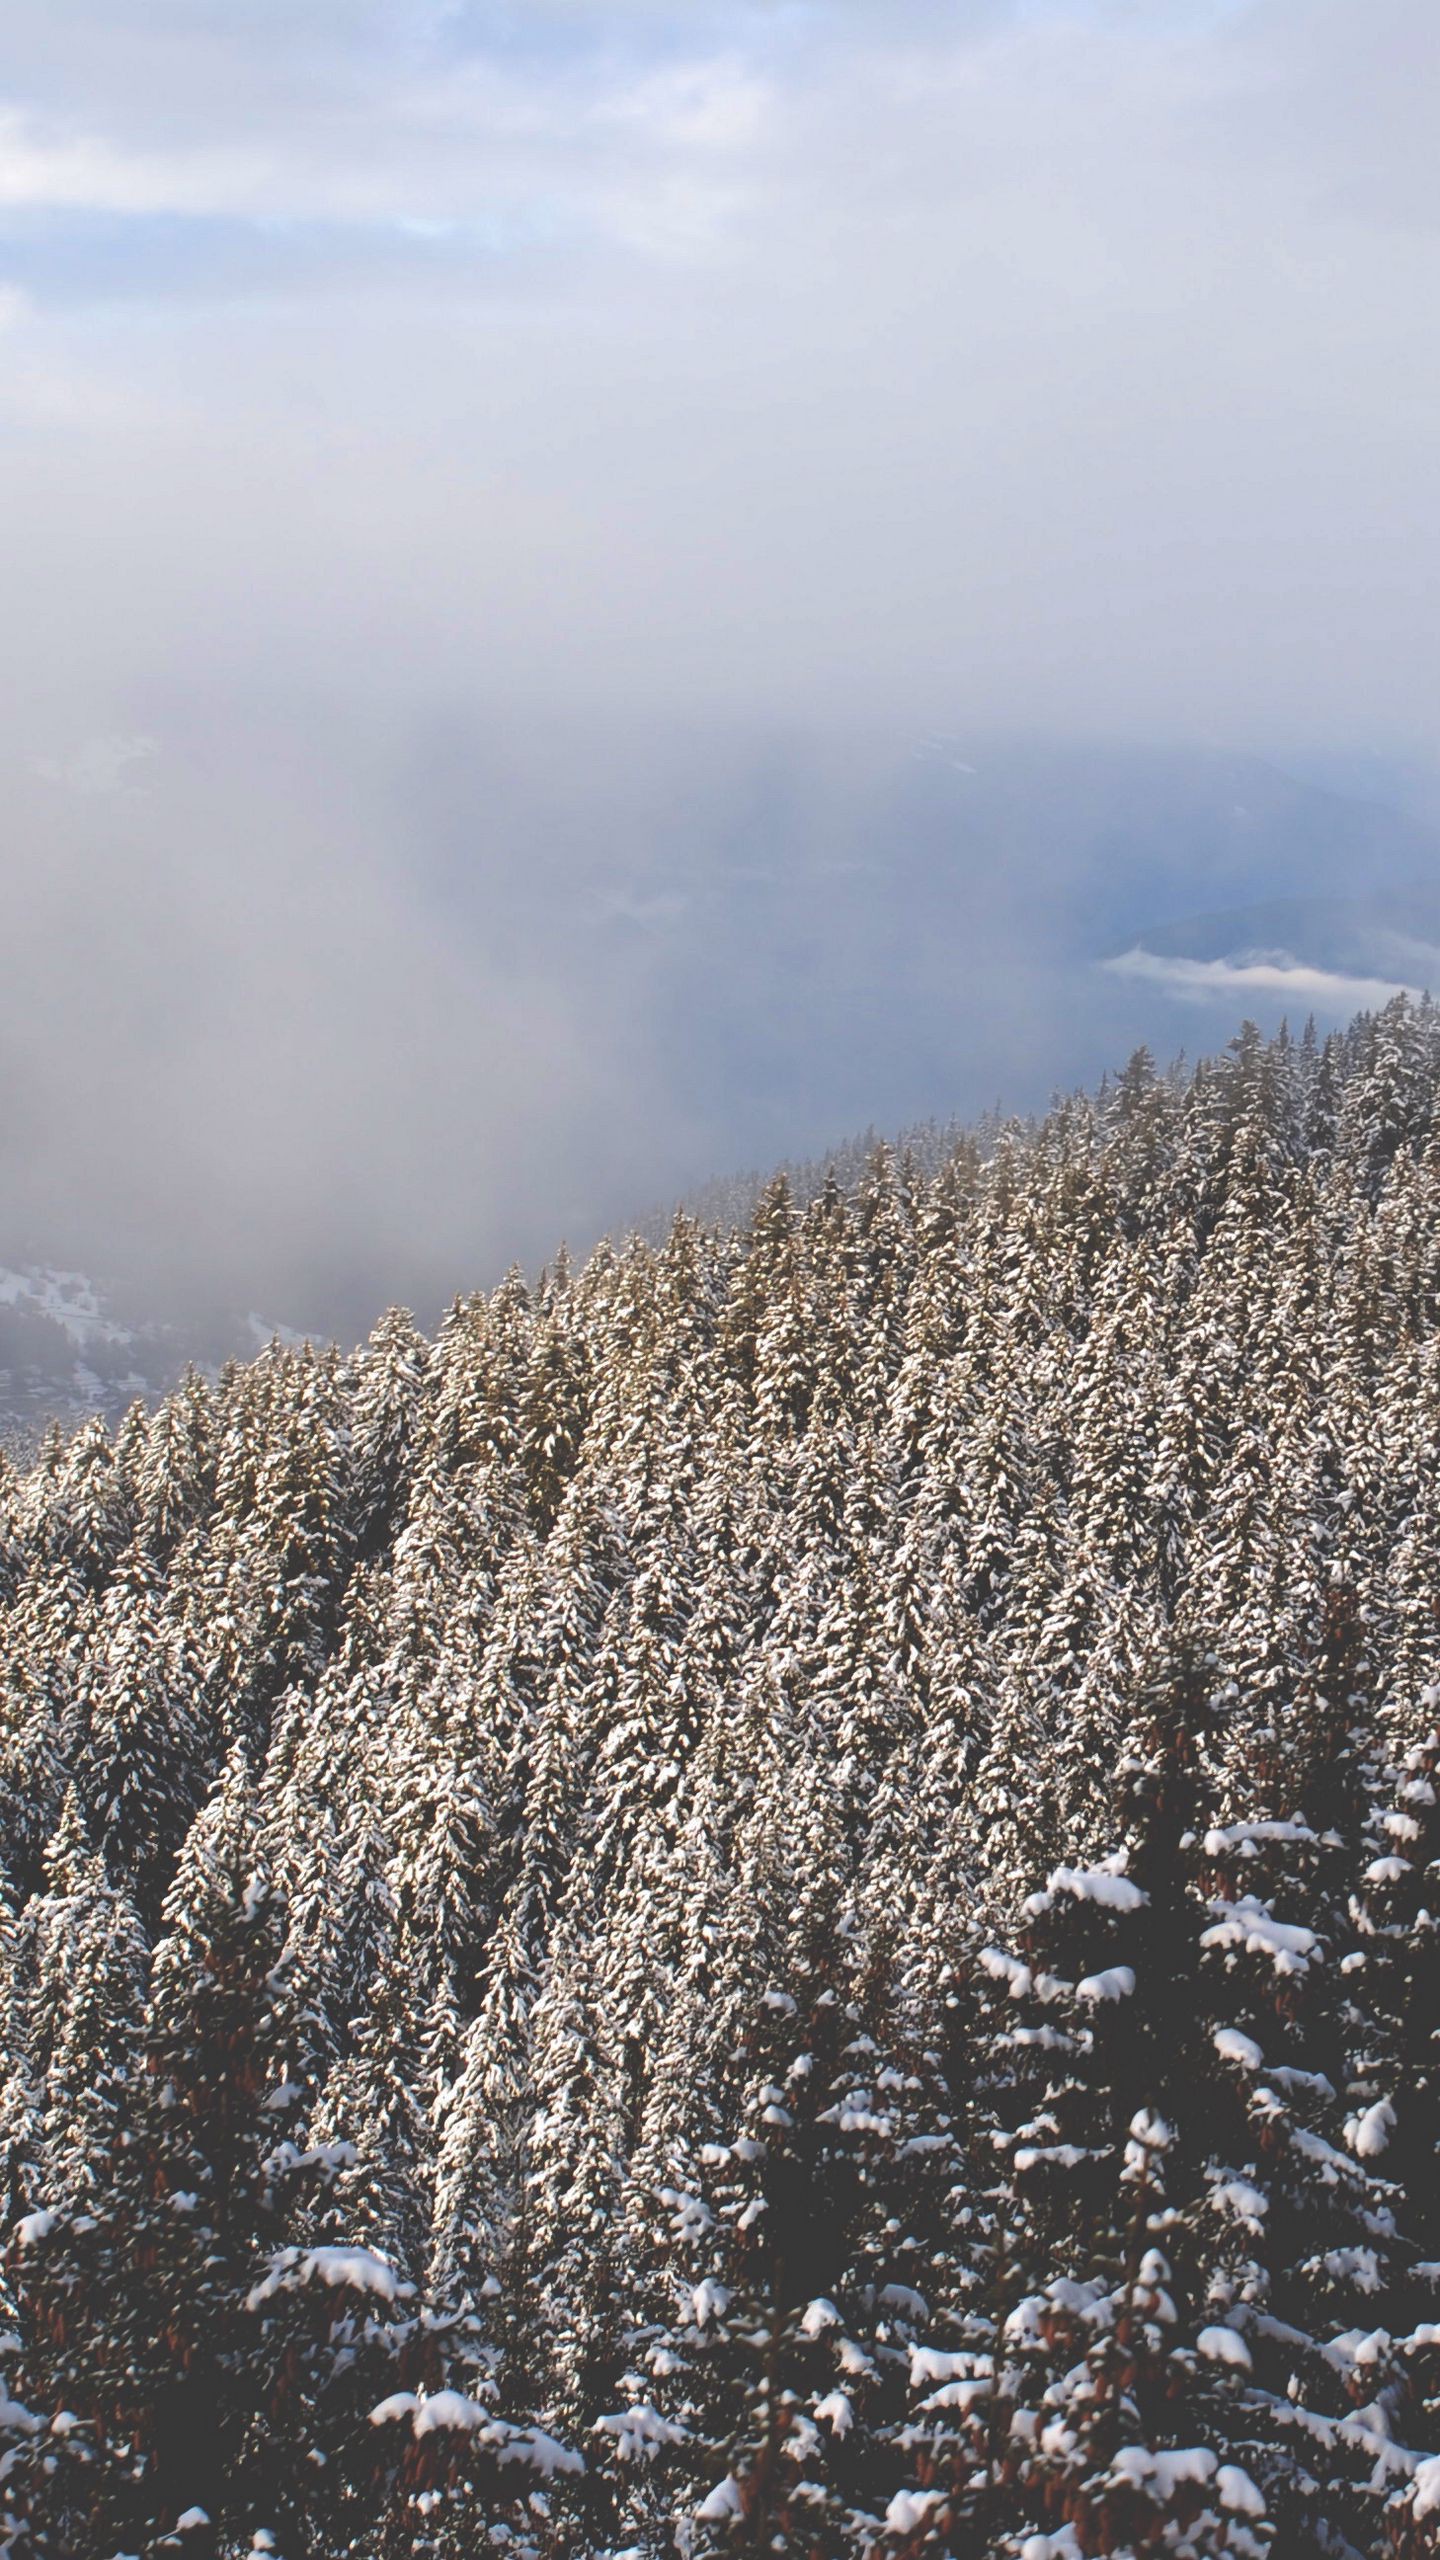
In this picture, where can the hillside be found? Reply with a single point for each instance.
(774, 1897)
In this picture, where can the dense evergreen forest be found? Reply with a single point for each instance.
(774, 1898)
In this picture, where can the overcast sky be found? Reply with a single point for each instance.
(401, 402)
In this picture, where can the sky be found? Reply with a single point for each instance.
(521, 523)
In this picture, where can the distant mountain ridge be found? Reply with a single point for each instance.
(1386, 929)
(67, 1353)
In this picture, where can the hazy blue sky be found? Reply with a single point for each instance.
(481, 485)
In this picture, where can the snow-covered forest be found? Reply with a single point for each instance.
(774, 1898)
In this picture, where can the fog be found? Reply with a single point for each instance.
(594, 593)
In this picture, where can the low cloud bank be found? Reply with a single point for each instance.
(1271, 974)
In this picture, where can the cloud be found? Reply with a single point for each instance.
(874, 360)
(474, 443)
(1226, 983)
(99, 767)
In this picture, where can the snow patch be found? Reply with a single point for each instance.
(1106, 1884)
(1116, 1983)
(1161, 2474)
(359, 2269)
(1237, 2491)
(1368, 2134)
(1253, 1927)
(436, 2412)
(1233, 2047)
(1427, 2487)
(818, 2315)
(639, 2432)
(722, 2502)
(909, 2508)
(1249, 1835)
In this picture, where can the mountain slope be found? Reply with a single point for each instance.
(776, 1896)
